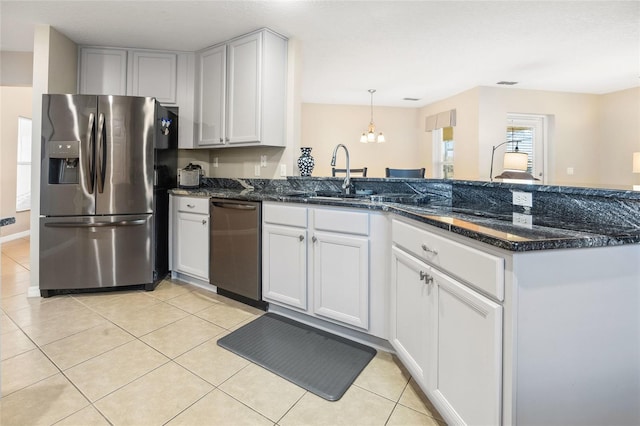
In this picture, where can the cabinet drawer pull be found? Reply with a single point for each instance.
(428, 250)
(301, 237)
(221, 140)
(191, 206)
(314, 239)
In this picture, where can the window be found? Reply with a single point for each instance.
(23, 186)
(443, 153)
(530, 132)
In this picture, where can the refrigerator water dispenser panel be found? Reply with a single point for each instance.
(63, 162)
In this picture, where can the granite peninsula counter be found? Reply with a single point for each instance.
(562, 217)
(502, 301)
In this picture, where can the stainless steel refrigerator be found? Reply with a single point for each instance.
(107, 165)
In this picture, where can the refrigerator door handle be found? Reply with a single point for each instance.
(95, 225)
(101, 154)
(89, 156)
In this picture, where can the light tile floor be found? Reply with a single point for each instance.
(151, 358)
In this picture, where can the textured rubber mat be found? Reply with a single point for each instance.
(318, 361)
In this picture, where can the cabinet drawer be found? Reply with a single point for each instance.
(346, 222)
(193, 204)
(279, 214)
(482, 270)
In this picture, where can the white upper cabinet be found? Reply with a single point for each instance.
(103, 71)
(212, 96)
(153, 74)
(244, 86)
(166, 76)
(242, 92)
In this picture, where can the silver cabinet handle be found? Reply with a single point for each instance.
(301, 237)
(221, 140)
(314, 239)
(428, 279)
(204, 221)
(429, 250)
(190, 206)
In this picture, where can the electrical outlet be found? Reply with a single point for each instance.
(524, 199)
(215, 161)
(570, 170)
(524, 220)
(263, 161)
(283, 170)
(256, 170)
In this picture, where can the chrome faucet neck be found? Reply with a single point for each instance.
(346, 185)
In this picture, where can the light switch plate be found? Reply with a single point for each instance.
(215, 161)
(263, 161)
(256, 170)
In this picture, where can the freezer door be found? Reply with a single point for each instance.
(93, 252)
(66, 179)
(124, 155)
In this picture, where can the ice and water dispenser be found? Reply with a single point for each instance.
(64, 160)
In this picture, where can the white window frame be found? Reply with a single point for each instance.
(540, 125)
(23, 181)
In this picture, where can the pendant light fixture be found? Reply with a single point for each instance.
(370, 134)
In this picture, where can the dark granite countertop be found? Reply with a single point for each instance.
(496, 229)
(7, 221)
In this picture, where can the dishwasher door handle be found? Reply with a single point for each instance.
(234, 206)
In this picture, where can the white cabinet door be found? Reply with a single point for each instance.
(341, 277)
(411, 313)
(244, 89)
(284, 260)
(212, 96)
(154, 74)
(468, 356)
(191, 240)
(103, 71)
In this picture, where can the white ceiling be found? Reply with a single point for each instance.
(420, 49)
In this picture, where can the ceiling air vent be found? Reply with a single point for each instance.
(411, 99)
(507, 83)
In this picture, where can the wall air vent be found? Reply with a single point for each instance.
(507, 83)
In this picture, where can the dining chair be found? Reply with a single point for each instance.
(405, 173)
(363, 171)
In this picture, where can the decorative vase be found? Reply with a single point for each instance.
(306, 162)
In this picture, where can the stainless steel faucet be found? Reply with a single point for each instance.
(346, 185)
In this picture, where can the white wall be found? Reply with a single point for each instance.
(619, 136)
(54, 71)
(16, 69)
(325, 126)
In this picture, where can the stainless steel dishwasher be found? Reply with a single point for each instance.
(235, 264)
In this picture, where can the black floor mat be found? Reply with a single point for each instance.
(318, 361)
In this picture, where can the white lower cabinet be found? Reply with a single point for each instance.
(411, 307)
(190, 236)
(468, 355)
(316, 261)
(447, 334)
(341, 277)
(284, 259)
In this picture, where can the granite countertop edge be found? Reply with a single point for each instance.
(487, 229)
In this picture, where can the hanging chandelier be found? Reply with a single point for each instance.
(370, 134)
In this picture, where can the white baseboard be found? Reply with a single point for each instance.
(15, 236)
(33, 291)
